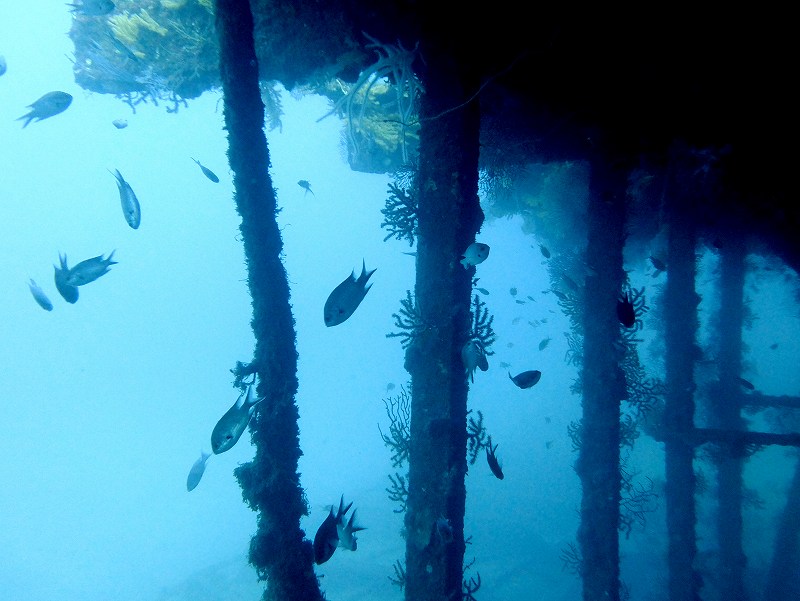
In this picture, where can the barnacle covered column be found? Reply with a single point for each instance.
(681, 324)
(270, 483)
(603, 383)
(449, 216)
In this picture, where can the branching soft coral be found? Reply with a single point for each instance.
(394, 63)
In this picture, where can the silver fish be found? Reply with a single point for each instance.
(39, 296)
(2, 64)
(346, 297)
(230, 426)
(346, 533)
(475, 253)
(206, 171)
(197, 471)
(66, 290)
(473, 356)
(130, 204)
(89, 270)
(48, 105)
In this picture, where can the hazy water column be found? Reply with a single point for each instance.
(270, 483)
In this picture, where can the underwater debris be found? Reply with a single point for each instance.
(400, 214)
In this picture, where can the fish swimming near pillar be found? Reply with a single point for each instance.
(327, 537)
(347, 296)
(491, 459)
(476, 253)
(206, 171)
(474, 357)
(230, 426)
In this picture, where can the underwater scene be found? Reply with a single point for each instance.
(299, 307)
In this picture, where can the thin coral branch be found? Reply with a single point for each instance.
(409, 320)
(482, 325)
(400, 214)
(398, 492)
(398, 440)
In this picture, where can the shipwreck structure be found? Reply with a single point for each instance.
(619, 93)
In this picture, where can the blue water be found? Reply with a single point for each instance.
(106, 404)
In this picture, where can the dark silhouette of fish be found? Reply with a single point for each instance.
(491, 459)
(206, 171)
(327, 537)
(746, 384)
(48, 105)
(89, 270)
(658, 265)
(626, 312)
(545, 252)
(92, 8)
(68, 292)
(526, 379)
(303, 183)
(346, 297)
